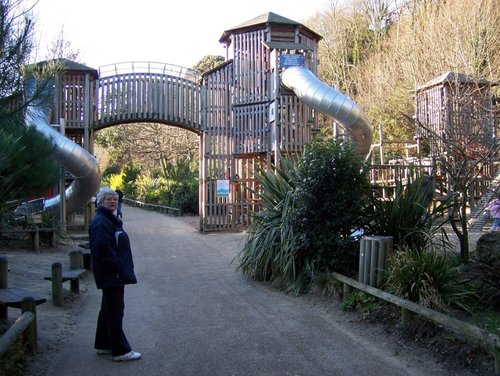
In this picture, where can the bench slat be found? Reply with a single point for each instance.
(13, 296)
(68, 275)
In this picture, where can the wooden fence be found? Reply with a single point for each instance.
(480, 337)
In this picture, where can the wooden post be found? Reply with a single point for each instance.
(28, 304)
(75, 260)
(497, 357)
(346, 291)
(374, 255)
(406, 316)
(4, 283)
(384, 252)
(57, 293)
(52, 238)
(4, 273)
(35, 239)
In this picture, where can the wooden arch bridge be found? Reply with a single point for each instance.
(147, 92)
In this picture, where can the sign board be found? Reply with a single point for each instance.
(291, 60)
(222, 188)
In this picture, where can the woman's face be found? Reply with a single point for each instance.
(110, 202)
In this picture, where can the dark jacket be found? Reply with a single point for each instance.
(111, 255)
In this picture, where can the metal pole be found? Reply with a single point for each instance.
(62, 186)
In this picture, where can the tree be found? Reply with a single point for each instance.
(61, 48)
(465, 149)
(153, 146)
(378, 54)
(327, 206)
(24, 167)
(16, 44)
(23, 162)
(208, 63)
(311, 206)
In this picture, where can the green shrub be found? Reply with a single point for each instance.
(328, 204)
(407, 217)
(429, 278)
(310, 207)
(130, 174)
(149, 189)
(185, 198)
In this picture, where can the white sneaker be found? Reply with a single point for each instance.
(131, 355)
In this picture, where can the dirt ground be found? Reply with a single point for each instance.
(27, 270)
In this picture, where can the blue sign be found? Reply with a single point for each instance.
(291, 60)
(222, 188)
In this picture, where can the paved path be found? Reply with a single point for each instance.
(192, 313)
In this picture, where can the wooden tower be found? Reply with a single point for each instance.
(457, 108)
(248, 116)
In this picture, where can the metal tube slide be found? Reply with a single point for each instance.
(78, 161)
(328, 101)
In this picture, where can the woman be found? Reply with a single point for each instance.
(113, 268)
(494, 208)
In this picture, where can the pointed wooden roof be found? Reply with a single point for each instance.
(264, 20)
(454, 77)
(69, 66)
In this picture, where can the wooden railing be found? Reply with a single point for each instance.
(159, 208)
(151, 96)
(480, 337)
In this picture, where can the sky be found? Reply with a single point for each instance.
(178, 32)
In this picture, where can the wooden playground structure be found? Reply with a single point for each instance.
(458, 117)
(244, 116)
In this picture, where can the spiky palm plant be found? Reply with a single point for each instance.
(407, 217)
(261, 258)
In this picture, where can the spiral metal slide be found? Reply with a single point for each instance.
(78, 161)
(328, 101)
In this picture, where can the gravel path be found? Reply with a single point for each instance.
(193, 313)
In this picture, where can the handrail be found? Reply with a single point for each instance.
(19, 331)
(158, 208)
(148, 67)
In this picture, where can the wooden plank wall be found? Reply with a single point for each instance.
(464, 108)
(216, 148)
(429, 112)
(297, 124)
(72, 100)
(148, 97)
(251, 65)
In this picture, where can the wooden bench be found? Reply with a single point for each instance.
(84, 249)
(58, 277)
(86, 258)
(13, 296)
(35, 235)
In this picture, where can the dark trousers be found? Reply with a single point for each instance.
(109, 333)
